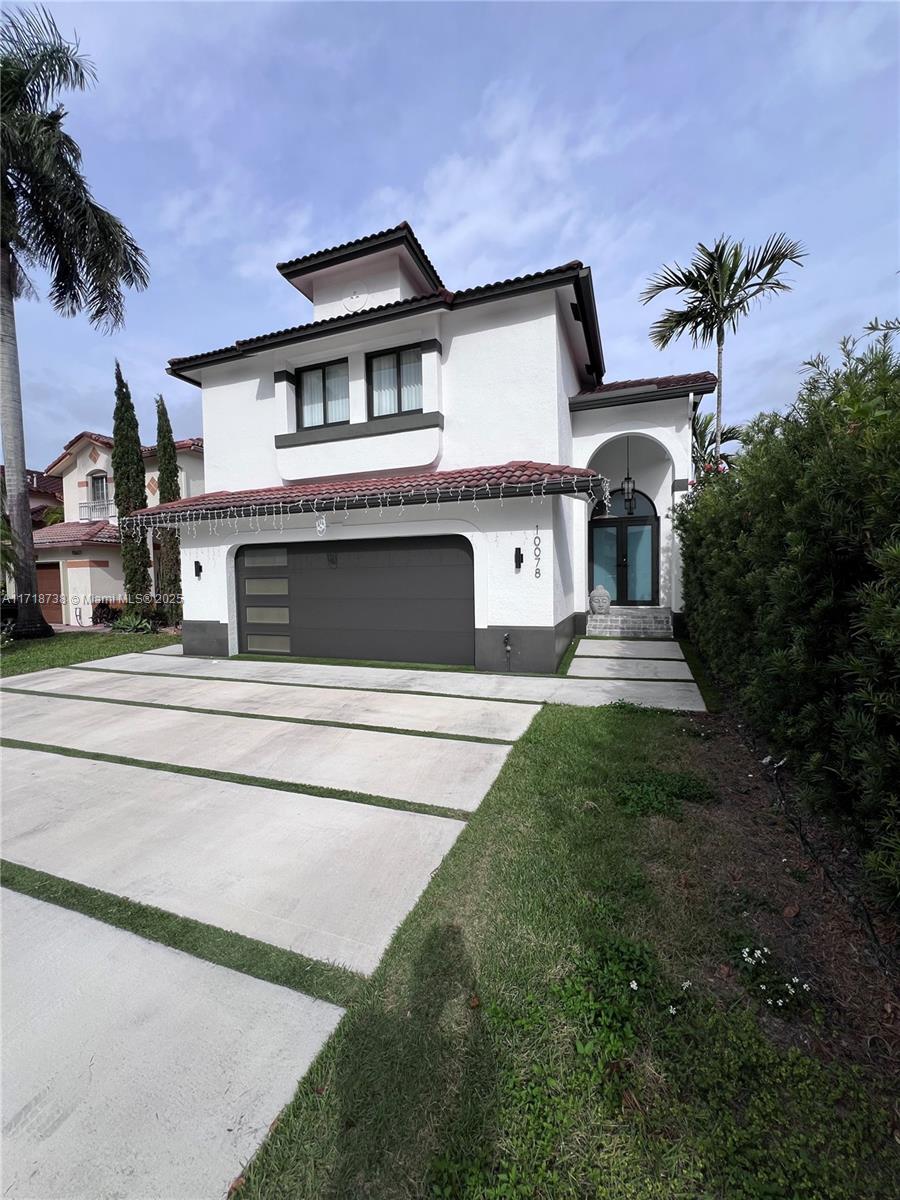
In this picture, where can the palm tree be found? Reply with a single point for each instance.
(49, 221)
(719, 286)
(703, 441)
(8, 555)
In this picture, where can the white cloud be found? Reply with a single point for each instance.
(837, 44)
(511, 196)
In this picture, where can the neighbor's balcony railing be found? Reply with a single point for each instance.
(96, 510)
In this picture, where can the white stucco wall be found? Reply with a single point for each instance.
(503, 595)
(660, 454)
(502, 383)
(379, 279)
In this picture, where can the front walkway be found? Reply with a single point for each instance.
(672, 687)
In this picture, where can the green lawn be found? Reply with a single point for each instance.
(529, 1032)
(64, 649)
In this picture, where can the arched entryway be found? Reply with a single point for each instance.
(623, 549)
(630, 548)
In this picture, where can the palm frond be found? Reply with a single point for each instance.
(38, 62)
(49, 217)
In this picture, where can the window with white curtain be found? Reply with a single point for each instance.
(395, 382)
(323, 395)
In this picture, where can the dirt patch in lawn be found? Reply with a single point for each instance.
(745, 859)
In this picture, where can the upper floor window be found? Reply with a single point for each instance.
(98, 488)
(323, 395)
(395, 381)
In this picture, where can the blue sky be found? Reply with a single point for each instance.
(513, 137)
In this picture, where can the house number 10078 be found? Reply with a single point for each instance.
(537, 553)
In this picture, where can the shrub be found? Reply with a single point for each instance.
(105, 614)
(132, 622)
(792, 587)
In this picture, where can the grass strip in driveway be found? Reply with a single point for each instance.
(323, 981)
(65, 649)
(252, 716)
(527, 1035)
(327, 687)
(281, 785)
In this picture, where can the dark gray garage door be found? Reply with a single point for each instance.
(394, 599)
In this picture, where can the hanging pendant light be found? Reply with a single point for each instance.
(628, 482)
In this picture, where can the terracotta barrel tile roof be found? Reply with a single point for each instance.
(77, 533)
(194, 444)
(699, 379)
(520, 478)
(442, 298)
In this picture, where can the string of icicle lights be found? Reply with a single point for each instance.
(594, 487)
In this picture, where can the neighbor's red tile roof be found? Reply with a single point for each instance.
(103, 439)
(523, 475)
(77, 533)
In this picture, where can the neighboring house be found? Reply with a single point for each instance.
(44, 493)
(413, 473)
(79, 562)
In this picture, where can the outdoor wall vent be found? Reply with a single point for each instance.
(198, 568)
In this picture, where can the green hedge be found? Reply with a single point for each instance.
(792, 587)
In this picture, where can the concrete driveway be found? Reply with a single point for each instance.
(311, 819)
(300, 805)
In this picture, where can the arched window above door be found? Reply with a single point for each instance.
(643, 506)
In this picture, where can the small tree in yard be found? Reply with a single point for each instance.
(169, 542)
(131, 493)
(719, 287)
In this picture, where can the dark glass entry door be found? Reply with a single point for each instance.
(624, 558)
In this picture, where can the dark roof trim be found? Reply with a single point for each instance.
(571, 273)
(398, 423)
(638, 395)
(400, 235)
(587, 308)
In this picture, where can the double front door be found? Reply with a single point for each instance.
(624, 558)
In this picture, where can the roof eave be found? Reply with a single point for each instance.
(635, 396)
(333, 258)
(248, 346)
(587, 306)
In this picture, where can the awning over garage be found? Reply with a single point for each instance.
(377, 492)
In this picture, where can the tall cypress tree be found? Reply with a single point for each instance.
(169, 542)
(131, 493)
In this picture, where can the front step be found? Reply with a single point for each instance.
(631, 623)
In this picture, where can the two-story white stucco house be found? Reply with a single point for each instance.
(79, 561)
(416, 474)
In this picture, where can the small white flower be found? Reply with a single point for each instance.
(672, 1009)
(795, 980)
(768, 1002)
(633, 985)
(765, 949)
(790, 989)
(762, 987)
(806, 987)
(685, 985)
